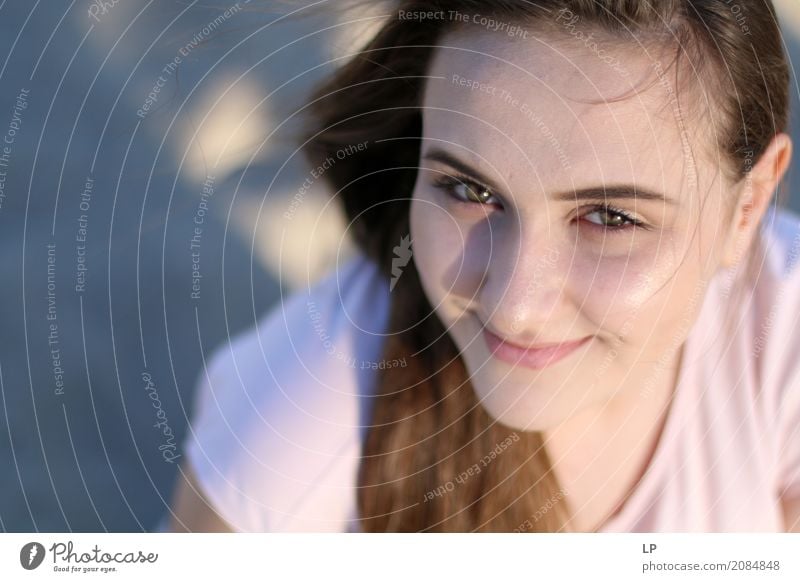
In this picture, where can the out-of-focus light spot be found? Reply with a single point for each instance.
(358, 27)
(789, 11)
(298, 250)
(222, 130)
(107, 22)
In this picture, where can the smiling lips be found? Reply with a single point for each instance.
(531, 357)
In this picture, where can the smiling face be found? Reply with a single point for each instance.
(515, 242)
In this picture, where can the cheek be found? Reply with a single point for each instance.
(640, 297)
(438, 242)
(613, 285)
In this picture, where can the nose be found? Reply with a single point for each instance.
(524, 295)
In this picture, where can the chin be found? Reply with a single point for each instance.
(519, 406)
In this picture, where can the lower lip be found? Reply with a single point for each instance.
(529, 358)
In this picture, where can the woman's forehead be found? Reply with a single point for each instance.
(555, 104)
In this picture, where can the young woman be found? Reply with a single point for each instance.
(574, 308)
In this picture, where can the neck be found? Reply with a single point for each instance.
(600, 454)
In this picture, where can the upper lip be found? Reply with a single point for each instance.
(542, 346)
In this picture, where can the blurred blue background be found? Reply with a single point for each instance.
(115, 183)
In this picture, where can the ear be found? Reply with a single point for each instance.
(754, 196)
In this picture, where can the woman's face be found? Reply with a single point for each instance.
(516, 242)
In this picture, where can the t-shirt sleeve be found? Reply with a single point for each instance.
(275, 438)
(781, 362)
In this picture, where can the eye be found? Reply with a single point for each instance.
(610, 218)
(465, 190)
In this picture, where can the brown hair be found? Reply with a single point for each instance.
(433, 460)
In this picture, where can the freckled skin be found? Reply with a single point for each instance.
(538, 270)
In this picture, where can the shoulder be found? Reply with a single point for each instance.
(777, 299)
(778, 344)
(279, 410)
(780, 232)
(318, 328)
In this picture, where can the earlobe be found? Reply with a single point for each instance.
(755, 197)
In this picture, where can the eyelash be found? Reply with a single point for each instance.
(448, 183)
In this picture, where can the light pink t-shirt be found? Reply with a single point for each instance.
(280, 411)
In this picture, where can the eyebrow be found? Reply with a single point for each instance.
(612, 192)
